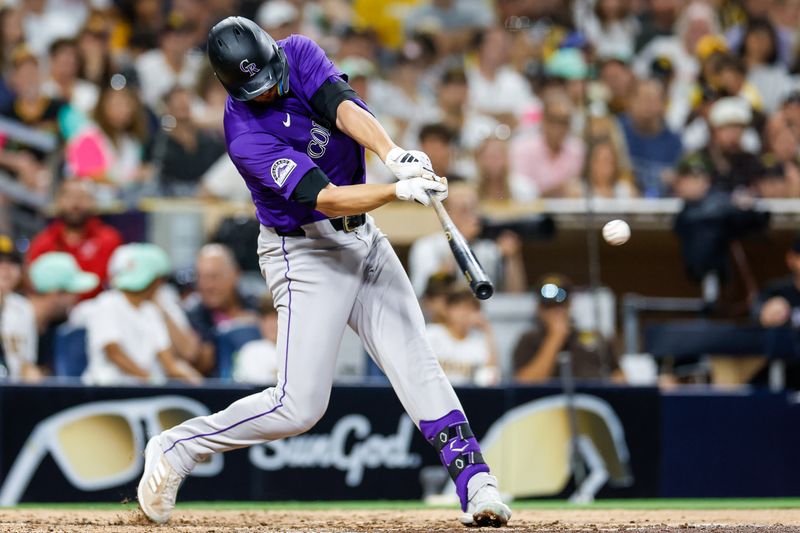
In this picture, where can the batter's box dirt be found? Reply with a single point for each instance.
(415, 521)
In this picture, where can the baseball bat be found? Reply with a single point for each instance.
(479, 283)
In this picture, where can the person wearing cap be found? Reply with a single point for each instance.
(652, 146)
(127, 337)
(731, 167)
(78, 231)
(57, 281)
(536, 353)
(185, 342)
(172, 63)
(18, 335)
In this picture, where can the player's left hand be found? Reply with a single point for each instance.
(417, 189)
(407, 164)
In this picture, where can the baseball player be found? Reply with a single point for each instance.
(296, 132)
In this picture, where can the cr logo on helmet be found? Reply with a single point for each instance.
(247, 66)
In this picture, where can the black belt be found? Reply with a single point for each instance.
(346, 224)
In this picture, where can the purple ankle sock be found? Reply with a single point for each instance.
(458, 449)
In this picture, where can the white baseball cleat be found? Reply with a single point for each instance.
(159, 484)
(485, 508)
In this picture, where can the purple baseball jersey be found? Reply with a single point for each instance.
(275, 145)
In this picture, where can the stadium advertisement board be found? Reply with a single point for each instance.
(70, 443)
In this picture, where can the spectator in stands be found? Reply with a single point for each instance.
(548, 162)
(122, 119)
(502, 259)
(257, 361)
(452, 22)
(451, 110)
(495, 88)
(56, 280)
(64, 83)
(188, 151)
(280, 18)
(537, 351)
(654, 149)
(18, 335)
(127, 338)
(761, 10)
(464, 342)
(185, 343)
(218, 300)
(11, 32)
(731, 167)
(730, 79)
(617, 76)
(657, 20)
(26, 159)
(173, 63)
(695, 21)
(436, 140)
(96, 64)
(611, 27)
(77, 231)
(776, 180)
(781, 142)
(494, 170)
(434, 299)
(208, 111)
(604, 172)
(759, 51)
(779, 303)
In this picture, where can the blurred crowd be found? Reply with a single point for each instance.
(104, 103)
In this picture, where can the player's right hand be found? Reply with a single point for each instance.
(407, 164)
(417, 189)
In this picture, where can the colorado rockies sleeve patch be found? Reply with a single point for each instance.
(281, 169)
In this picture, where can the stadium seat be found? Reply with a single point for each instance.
(229, 341)
(69, 351)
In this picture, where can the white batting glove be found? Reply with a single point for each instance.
(407, 164)
(417, 189)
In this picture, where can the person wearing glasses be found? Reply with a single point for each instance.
(536, 353)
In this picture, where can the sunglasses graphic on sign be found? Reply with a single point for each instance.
(99, 445)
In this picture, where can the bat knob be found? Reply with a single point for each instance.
(483, 290)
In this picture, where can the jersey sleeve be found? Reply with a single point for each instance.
(312, 67)
(272, 163)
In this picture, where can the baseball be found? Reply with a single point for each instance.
(616, 232)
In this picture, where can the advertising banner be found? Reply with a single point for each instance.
(72, 443)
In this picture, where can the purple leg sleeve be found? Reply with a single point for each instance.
(458, 449)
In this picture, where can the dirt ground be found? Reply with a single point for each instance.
(437, 520)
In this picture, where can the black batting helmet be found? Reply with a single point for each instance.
(246, 60)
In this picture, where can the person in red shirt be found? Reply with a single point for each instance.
(79, 232)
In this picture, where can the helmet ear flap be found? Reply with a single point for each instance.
(283, 82)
